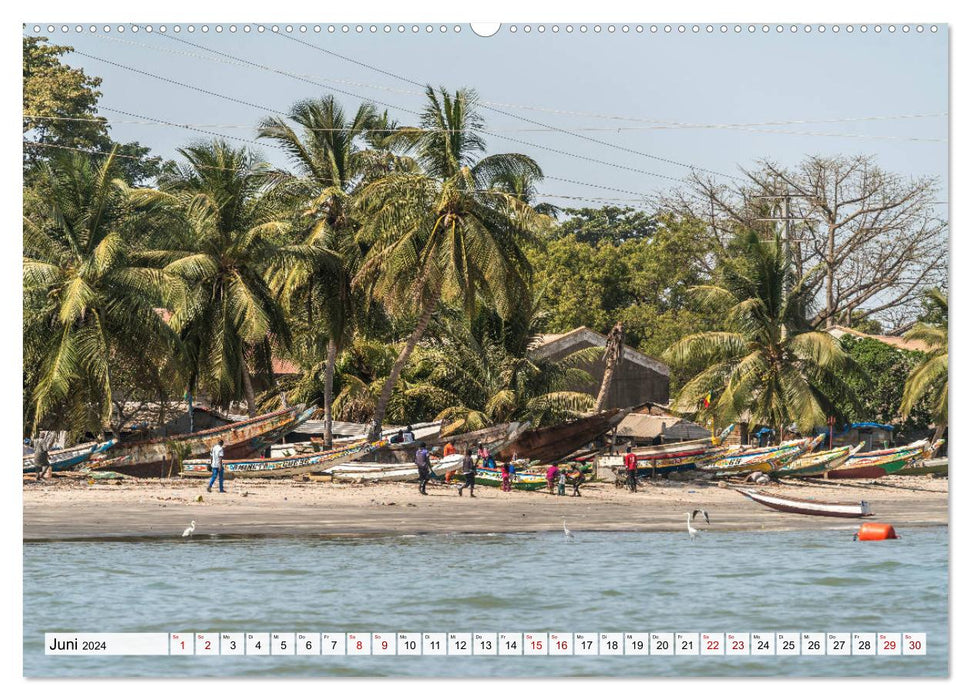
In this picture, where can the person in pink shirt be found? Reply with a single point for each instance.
(551, 473)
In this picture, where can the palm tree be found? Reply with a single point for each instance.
(767, 361)
(89, 297)
(330, 162)
(443, 233)
(487, 383)
(930, 376)
(230, 203)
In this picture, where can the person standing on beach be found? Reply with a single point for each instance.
(468, 469)
(561, 483)
(217, 466)
(424, 468)
(448, 451)
(630, 461)
(551, 473)
(506, 486)
(578, 478)
(42, 461)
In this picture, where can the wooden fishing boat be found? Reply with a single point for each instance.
(495, 437)
(874, 466)
(556, 442)
(152, 458)
(819, 462)
(804, 506)
(394, 471)
(69, 457)
(926, 466)
(767, 459)
(276, 467)
(422, 431)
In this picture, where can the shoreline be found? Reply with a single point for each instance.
(73, 510)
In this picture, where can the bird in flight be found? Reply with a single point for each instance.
(189, 530)
(566, 531)
(691, 530)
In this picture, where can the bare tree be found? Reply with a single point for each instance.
(868, 241)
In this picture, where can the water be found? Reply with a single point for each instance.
(600, 582)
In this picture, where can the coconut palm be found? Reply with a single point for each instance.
(767, 361)
(89, 296)
(930, 376)
(330, 158)
(443, 233)
(486, 383)
(232, 231)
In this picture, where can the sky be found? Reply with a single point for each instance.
(611, 117)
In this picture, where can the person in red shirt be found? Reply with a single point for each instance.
(630, 461)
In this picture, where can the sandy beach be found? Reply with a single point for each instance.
(72, 508)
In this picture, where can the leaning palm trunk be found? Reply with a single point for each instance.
(329, 393)
(374, 431)
(612, 354)
(248, 391)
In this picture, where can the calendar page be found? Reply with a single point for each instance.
(437, 349)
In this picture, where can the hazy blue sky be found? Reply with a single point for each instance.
(686, 78)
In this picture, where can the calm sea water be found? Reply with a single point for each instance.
(599, 582)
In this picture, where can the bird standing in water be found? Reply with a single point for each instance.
(189, 530)
(566, 531)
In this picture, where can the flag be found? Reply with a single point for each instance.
(707, 400)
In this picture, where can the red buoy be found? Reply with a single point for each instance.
(876, 531)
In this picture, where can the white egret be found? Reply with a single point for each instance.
(691, 530)
(189, 530)
(566, 531)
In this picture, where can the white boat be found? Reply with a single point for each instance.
(394, 471)
(422, 431)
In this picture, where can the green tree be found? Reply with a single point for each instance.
(880, 386)
(930, 377)
(443, 233)
(60, 113)
(90, 292)
(231, 231)
(765, 361)
(609, 223)
(330, 159)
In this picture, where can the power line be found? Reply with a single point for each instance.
(639, 201)
(654, 123)
(516, 116)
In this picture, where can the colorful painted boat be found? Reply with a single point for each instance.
(277, 467)
(547, 445)
(244, 439)
(805, 506)
(766, 459)
(926, 466)
(819, 462)
(495, 437)
(69, 457)
(394, 471)
(875, 466)
(672, 457)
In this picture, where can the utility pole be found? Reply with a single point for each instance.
(782, 212)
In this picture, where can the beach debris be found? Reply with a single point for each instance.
(693, 532)
(566, 530)
(758, 478)
(199, 498)
(871, 532)
(189, 530)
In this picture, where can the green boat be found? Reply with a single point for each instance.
(521, 481)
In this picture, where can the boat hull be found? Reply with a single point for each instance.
(153, 458)
(802, 506)
(65, 460)
(547, 445)
(280, 467)
(393, 471)
(519, 481)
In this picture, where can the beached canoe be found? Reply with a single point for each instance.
(550, 444)
(819, 462)
(393, 471)
(69, 457)
(277, 467)
(243, 439)
(804, 506)
(766, 459)
(926, 466)
(495, 437)
(422, 431)
(876, 465)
